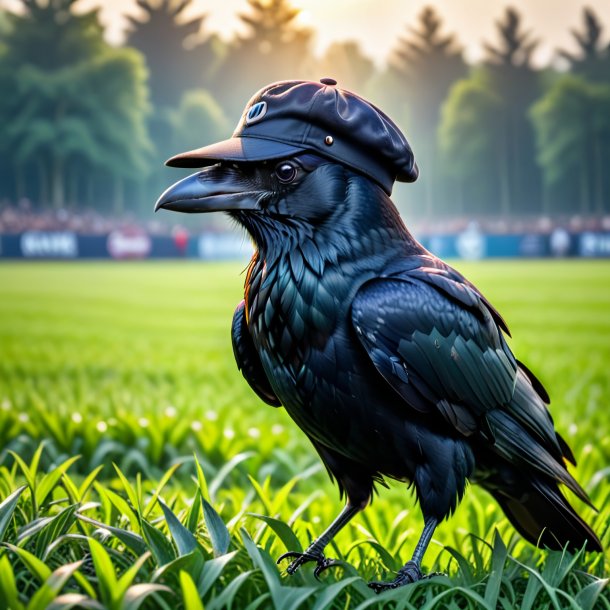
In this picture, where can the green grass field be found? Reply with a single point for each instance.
(130, 367)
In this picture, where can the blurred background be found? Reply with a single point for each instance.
(507, 109)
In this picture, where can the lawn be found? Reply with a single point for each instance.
(187, 486)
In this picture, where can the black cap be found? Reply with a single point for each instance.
(289, 117)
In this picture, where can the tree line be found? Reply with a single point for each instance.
(88, 125)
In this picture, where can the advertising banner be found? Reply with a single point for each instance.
(135, 244)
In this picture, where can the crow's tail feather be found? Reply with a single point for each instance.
(544, 517)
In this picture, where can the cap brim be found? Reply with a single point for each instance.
(234, 149)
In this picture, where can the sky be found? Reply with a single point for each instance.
(378, 24)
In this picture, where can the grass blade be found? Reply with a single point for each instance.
(212, 569)
(9, 597)
(192, 563)
(50, 480)
(328, 596)
(498, 560)
(587, 597)
(159, 545)
(184, 540)
(137, 594)
(52, 586)
(36, 567)
(224, 472)
(124, 582)
(283, 532)
(74, 600)
(192, 518)
(190, 596)
(132, 541)
(105, 572)
(159, 487)
(219, 534)
(7, 508)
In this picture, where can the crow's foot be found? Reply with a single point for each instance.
(408, 574)
(301, 558)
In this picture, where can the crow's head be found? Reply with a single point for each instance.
(300, 149)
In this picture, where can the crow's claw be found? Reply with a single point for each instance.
(324, 565)
(301, 558)
(408, 574)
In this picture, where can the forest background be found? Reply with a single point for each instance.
(88, 125)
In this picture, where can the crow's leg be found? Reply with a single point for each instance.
(314, 551)
(411, 571)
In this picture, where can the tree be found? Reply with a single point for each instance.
(51, 35)
(424, 65)
(274, 48)
(593, 59)
(74, 118)
(572, 123)
(509, 73)
(471, 145)
(199, 119)
(184, 61)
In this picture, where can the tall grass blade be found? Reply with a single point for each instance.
(121, 505)
(128, 576)
(9, 597)
(201, 480)
(158, 489)
(219, 534)
(587, 598)
(50, 480)
(212, 569)
(226, 597)
(192, 563)
(283, 532)
(55, 528)
(52, 586)
(498, 560)
(132, 541)
(34, 565)
(137, 594)
(105, 572)
(67, 601)
(190, 596)
(184, 540)
(7, 507)
(159, 545)
(327, 597)
(226, 469)
(129, 490)
(192, 518)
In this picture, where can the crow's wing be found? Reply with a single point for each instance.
(436, 340)
(248, 360)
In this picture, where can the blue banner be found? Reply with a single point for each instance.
(471, 244)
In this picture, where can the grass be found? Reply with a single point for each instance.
(131, 365)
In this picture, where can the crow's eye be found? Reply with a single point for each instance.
(286, 172)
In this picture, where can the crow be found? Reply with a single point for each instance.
(391, 362)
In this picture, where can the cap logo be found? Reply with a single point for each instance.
(256, 113)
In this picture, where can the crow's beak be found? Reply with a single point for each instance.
(213, 189)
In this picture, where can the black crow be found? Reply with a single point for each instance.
(391, 362)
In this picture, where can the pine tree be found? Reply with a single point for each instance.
(512, 77)
(424, 65)
(77, 106)
(275, 48)
(593, 58)
(184, 60)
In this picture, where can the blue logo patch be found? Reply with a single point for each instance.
(256, 113)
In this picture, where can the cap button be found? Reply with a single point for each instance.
(328, 81)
